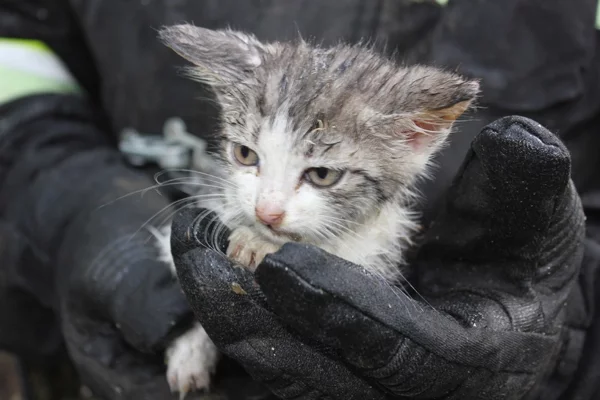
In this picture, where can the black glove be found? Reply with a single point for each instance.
(493, 276)
(82, 254)
(120, 306)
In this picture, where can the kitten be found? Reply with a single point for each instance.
(317, 145)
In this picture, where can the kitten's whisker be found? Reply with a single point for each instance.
(191, 171)
(168, 217)
(189, 183)
(172, 204)
(344, 230)
(324, 236)
(199, 218)
(338, 224)
(216, 232)
(195, 201)
(416, 291)
(157, 214)
(397, 290)
(142, 192)
(164, 221)
(193, 179)
(331, 218)
(208, 100)
(339, 232)
(214, 219)
(216, 236)
(195, 182)
(222, 227)
(332, 234)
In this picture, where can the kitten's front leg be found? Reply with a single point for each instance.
(192, 357)
(249, 248)
(191, 360)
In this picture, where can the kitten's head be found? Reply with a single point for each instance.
(315, 140)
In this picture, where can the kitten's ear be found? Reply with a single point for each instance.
(429, 103)
(220, 57)
(427, 130)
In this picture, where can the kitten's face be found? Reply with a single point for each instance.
(315, 141)
(296, 183)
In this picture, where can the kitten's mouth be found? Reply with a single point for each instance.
(293, 236)
(282, 235)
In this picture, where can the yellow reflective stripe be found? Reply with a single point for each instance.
(30, 67)
(15, 84)
(31, 43)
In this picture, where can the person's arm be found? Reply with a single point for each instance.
(73, 230)
(48, 118)
(35, 84)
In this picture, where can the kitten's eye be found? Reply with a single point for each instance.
(244, 155)
(323, 177)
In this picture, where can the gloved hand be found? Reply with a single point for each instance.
(492, 275)
(68, 215)
(119, 304)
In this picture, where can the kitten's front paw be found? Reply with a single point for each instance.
(191, 360)
(249, 248)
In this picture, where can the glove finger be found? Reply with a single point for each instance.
(228, 304)
(512, 219)
(505, 193)
(382, 332)
(139, 293)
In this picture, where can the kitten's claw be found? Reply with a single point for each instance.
(183, 391)
(191, 360)
(249, 248)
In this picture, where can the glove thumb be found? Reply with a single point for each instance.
(512, 217)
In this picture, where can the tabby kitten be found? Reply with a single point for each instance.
(317, 145)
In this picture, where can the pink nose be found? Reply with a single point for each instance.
(271, 216)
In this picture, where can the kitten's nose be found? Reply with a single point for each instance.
(269, 215)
